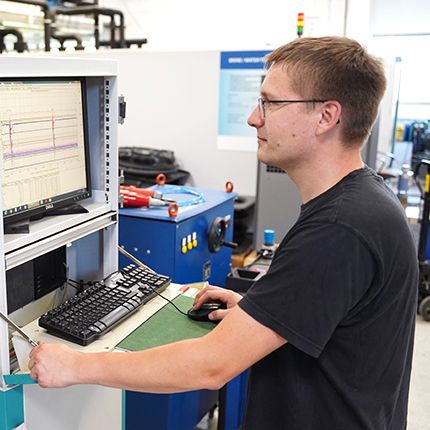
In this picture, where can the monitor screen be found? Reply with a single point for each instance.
(44, 145)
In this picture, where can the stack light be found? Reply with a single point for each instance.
(300, 23)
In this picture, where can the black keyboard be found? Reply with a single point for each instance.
(96, 310)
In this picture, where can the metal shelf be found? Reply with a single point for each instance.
(64, 237)
(49, 227)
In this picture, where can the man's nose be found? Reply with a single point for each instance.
(255, 119)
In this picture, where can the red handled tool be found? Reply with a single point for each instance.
(135, 199)
(142, 191)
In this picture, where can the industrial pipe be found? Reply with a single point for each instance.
(97, 11)
(63, 37)
(47, 21)
(20, 45)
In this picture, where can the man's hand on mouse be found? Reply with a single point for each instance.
(211, 293)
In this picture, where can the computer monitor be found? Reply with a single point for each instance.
(44, 143)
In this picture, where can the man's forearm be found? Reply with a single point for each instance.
(181, 366)
(206, 362)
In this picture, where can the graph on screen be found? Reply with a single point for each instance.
(42, 142)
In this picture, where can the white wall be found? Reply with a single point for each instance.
(358, 20)
(226, 24)
(394, 17)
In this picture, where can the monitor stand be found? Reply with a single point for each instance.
(74, 208)
(23, 226)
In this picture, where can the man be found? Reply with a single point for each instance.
(329, 330)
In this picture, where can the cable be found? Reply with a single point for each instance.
(80, 285)
(76, 287)
(261, 254)
(167, 300)
(123, 251)
(110, 275)
(145, 267)
(72, 280)
(89, 283)
(158, 294)
(175, 189)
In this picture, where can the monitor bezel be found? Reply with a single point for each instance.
(40, 211)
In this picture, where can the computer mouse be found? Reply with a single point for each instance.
(202, 314)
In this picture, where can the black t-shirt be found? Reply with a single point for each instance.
(342, 290)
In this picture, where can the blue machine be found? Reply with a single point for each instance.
(183, 247)
(188, 248)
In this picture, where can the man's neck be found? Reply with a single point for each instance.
(324, 173)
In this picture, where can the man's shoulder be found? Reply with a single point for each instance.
(358, 197)
(360, 203)
(365, 198)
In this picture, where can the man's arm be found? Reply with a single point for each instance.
(207, 362)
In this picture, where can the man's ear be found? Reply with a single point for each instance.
(330, 113)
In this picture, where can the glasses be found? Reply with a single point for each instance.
(262, 102)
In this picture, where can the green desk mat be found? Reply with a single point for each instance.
(166, 326)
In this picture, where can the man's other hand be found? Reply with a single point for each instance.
(211, 293)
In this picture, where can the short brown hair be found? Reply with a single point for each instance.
(336, 68)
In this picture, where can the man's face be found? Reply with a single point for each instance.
(285, 134)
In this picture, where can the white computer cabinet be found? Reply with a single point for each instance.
(91, 239)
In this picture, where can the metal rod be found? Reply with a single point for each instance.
(19, 330)
(134, 259)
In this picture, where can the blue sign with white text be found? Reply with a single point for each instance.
(243, 59)
(241, 76)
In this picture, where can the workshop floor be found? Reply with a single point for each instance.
(419, 398)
